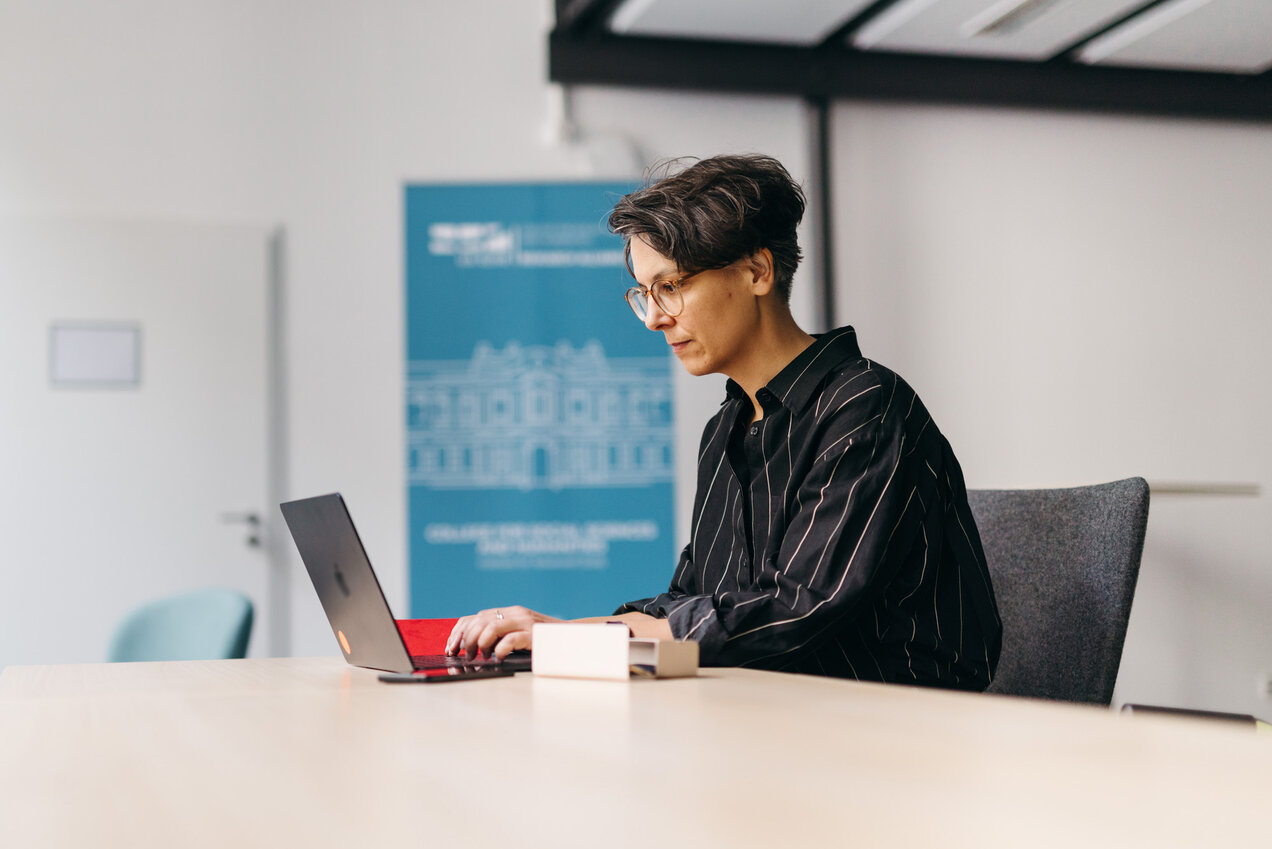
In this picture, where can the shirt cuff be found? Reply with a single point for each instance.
(691, 617)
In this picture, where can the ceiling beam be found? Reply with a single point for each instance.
(581, 16)
(591, 58)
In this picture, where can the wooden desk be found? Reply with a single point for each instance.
(312, 753)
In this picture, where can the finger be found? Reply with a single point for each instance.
(472, 634)
(495, 628)
(459, 636)
(489, 626)
(456, 635)
(511, 642)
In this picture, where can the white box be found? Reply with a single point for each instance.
(605, 651)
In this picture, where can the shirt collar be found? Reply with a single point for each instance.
(794, 385)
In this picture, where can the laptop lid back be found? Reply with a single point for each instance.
(346, 584)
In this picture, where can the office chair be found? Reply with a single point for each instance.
(202, 625)
(1064, 564)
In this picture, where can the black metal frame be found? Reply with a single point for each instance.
(823, 209)
(581, 50)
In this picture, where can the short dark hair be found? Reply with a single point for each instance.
(715, 212)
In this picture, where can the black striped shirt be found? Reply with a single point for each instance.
(850, 551)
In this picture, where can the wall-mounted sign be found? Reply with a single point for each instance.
(85, 354)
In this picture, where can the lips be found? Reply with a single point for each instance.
(677, 347)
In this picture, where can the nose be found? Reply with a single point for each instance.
(655, 318)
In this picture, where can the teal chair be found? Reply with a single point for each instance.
(202, 625)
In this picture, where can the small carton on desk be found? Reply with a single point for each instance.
(607, 651)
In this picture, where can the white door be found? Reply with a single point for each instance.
(114, 493)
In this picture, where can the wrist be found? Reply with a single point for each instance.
(630, 633)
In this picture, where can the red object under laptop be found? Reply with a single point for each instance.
(425, 636)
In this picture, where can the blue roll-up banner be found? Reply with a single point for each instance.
(538, 408)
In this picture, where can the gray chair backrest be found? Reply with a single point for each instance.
(1064, 564)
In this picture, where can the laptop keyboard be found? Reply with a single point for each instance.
(517, 660)
(443, 661)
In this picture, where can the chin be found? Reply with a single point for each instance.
(697, 369)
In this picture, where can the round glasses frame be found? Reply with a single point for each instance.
(666, 294)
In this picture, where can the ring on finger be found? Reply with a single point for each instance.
(499, 614)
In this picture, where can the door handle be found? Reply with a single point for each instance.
(253, 521)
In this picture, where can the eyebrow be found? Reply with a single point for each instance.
(664, 276)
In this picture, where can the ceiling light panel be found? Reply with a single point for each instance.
(1001, 29)
(795, 22)
(1234, 36)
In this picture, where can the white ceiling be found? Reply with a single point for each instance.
(1005, 29)
(787, 22)
(1210, 35)
(1200, 35)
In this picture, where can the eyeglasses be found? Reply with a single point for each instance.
(666, 293)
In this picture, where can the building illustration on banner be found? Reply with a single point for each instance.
(539, 417)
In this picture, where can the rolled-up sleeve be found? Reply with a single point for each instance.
(663, 604)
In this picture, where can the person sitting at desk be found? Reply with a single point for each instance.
(831, 530)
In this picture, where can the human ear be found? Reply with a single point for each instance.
(760, 266)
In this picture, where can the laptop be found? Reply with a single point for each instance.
(353, 600)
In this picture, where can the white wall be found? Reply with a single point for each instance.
(1077, 297)
(313, 114)
(1081, 298)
